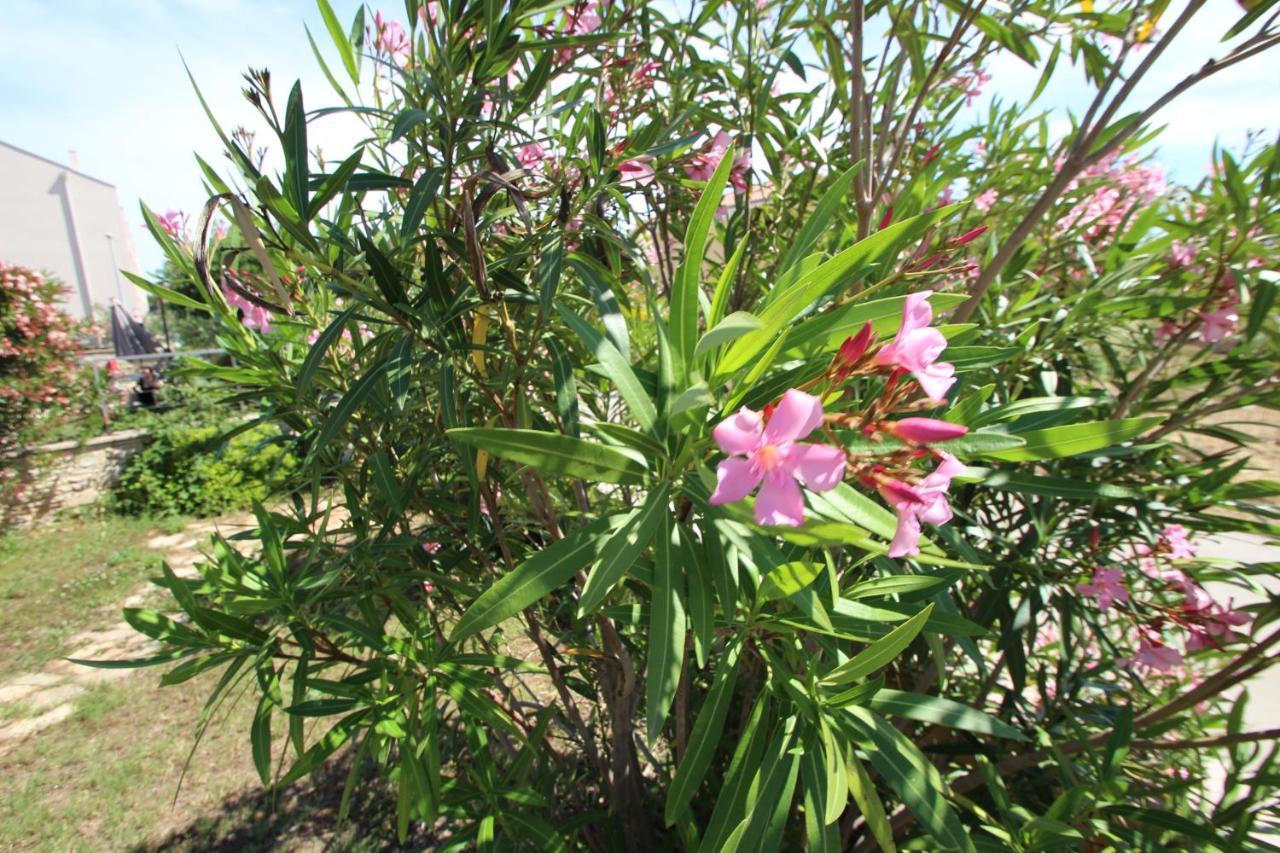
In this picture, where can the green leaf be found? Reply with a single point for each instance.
(831, 203)
(1059, 442)
(738, 779)
(685, 289)
(260, 739)
(566, 388)
(421, 198)
(550, 261)
(727, 330)
(340, 40)
(694, 397)
(537, 576)
(788, 579)
(616, 367)
(347, 406)
(724, 285)
(944, 712)
(316, 354)
(909, 773)
(160, 627)
(1264, 297)
(296, 177)
(334, 183)
(864, 794)
(554, 453)
(880, 653)
(785, 307)
(623, 548)
(708, 729)
(891, 585)
(595, 276)
(161, 292)
(666, 632)
(1054, 487)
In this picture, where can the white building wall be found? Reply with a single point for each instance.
(60, 221)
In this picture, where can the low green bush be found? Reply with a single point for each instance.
(186, 469)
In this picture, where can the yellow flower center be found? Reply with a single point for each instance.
(769, 457)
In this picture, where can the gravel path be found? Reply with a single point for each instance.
(34, 701)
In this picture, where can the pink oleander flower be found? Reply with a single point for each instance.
(252, 315)
(703, 165)
(1176, 537)
(924, 430)
(643, 75)
(1221, 324)
(636, 173)
(430, 12)
(986, 200)
(584, 19)
(1181, 254)
(772, 457)
(531, 156)
(171, 222)
(925, 501)
(1153, 656)
(391, 39)
(917, 346)
(1107, 588)
(431, 547)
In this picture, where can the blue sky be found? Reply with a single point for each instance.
(105, 80)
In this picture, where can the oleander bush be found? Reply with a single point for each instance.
(714, 434)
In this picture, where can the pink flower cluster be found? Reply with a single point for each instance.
(1117, 188)
(765, 450)
(391, 40)
(704, 164)
(253, 316)
(1207, 623)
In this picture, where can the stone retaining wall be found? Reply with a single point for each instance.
(68, 474)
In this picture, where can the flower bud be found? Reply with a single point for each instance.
(852, 351)
(923, 430)
(969, 236)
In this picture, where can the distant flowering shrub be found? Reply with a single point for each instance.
(713, 436)
(40, 375)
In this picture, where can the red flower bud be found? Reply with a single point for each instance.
(929, 155)
(852, 351)
(888, 218)
(767, 412)
(969, 236)
(923, 430)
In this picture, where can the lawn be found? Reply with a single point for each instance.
(67, 577)
(108, 777)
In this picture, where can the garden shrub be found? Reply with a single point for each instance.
(41, 378)
(186, 468)
(726, 464)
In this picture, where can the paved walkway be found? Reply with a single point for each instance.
(46, 698)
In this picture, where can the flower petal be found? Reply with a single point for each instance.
(920, 348)
(936, 509)
(935, 380)
(740, 432)
(797, 415)
(818, 466)
(906, 539)
(735, 478)
(780, 502)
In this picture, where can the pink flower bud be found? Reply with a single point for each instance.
(852, 350)
(923, 430)
(969, 236)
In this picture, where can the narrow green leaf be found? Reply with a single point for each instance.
(623, 548)
(421, 198)
(260, 740)
(340, 40)
(296, 174)
(944, 712)
(684, 291)
(1059, 442)
(617, 368)
(537, 576)
(554, 453)
(788, 579)
(831, 204)
(726, 331)
(864, 794)
(666, 632)
(909, 773)
(880, 653)
(708, 728)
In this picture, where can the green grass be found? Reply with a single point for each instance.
(67, 577)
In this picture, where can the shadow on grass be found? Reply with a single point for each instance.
(301, 816)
